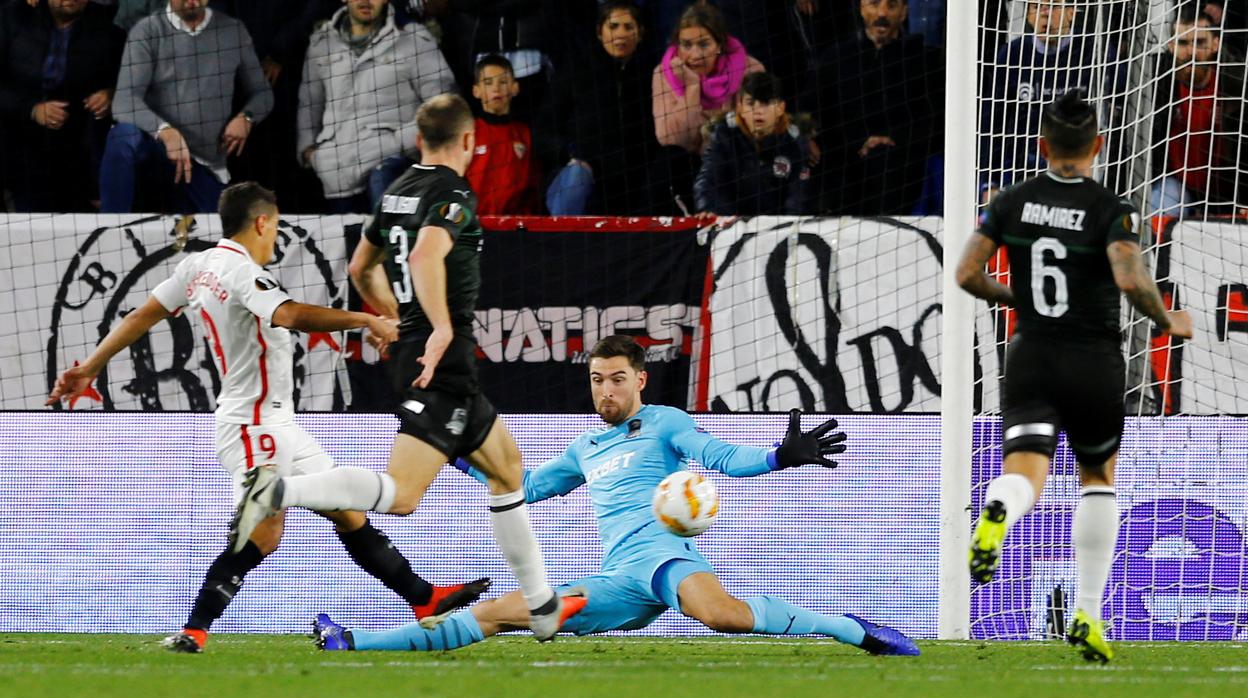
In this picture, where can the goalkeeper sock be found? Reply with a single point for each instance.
(1016, 492)
(340, 489)
(459, 630)
(221, 583)
(1094, 532)
(376, 555)
(775, 616)
(514, 535)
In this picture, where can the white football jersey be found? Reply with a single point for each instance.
(235, 298)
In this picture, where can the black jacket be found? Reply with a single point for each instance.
(93, 59)
(897, 91)
(741, 178)
(600, 112)
(52, 169)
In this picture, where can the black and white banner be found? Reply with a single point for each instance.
(552, 289)
(837, 315)
(832, 315)
(546, 298)
(73, 277)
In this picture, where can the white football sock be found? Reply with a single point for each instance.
(340, 489)
(1015, 492)
(510, 519)
(1094, 533)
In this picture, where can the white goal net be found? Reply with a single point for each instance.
(1168, 80)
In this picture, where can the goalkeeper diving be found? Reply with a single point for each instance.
(646, 570)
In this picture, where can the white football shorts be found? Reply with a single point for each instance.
(241, 447)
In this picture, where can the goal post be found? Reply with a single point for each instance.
(957, 323)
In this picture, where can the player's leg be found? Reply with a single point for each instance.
(1094, 414)
(420, 450)
(704, 599)
(373, 552)
(369, 547)
(1094, 533)
(498, 457)
(1029, 437)
(460, 629)
(222, 581)
(236, 446)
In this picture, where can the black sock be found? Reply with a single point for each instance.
(376, 555)
(221, 582)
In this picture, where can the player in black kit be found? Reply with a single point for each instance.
(1073, 247)
(426, 236)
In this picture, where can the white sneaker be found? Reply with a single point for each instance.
(261, 499)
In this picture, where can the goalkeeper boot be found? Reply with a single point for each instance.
(188, 641)
(262, 498)
(986, 542)
(1088, 636)
(328, 635)
(446, 600)
(883, 640)
(546, 621)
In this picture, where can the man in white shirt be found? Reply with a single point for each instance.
(248, 317)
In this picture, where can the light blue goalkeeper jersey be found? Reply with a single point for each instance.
(622, 466)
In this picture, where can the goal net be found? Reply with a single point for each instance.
(1167, 79)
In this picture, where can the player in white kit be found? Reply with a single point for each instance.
(247, 317)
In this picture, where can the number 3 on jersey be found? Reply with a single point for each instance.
(402, 287)
(1040, 272)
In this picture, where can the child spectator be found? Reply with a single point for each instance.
(756, 160)
(503, 172)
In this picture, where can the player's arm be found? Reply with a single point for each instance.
(369, 278)
(1136, 283)
(971, 274)
(427, 262)
(554, 478)
(74, 381)
(317, 318)
(798, 448)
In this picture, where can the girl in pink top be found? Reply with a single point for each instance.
(698, 77)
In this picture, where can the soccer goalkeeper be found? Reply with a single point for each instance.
(646, 570)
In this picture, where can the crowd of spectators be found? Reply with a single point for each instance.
(585, 107)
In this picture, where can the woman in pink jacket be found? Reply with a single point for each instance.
(698, 77)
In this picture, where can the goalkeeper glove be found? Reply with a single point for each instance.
(809, 448)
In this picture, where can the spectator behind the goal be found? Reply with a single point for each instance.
(697, 78)
(1199, 141)
(363, 79)
(504, 167)
(599, 126)
(1053, 57)
(58, 67)
(695, 82)
(175, 106)
(755, 161)
(879, 103)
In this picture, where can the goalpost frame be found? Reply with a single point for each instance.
(957, 321)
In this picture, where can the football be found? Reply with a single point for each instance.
(686, 503)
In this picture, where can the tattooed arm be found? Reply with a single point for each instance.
(1137, 284)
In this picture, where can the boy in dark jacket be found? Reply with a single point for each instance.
(756, 162)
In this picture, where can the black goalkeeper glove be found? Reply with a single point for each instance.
(809, 448)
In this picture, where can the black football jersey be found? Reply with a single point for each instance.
(1056, 230)
(430, 196)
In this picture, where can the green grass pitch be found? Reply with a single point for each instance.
(288, 665)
